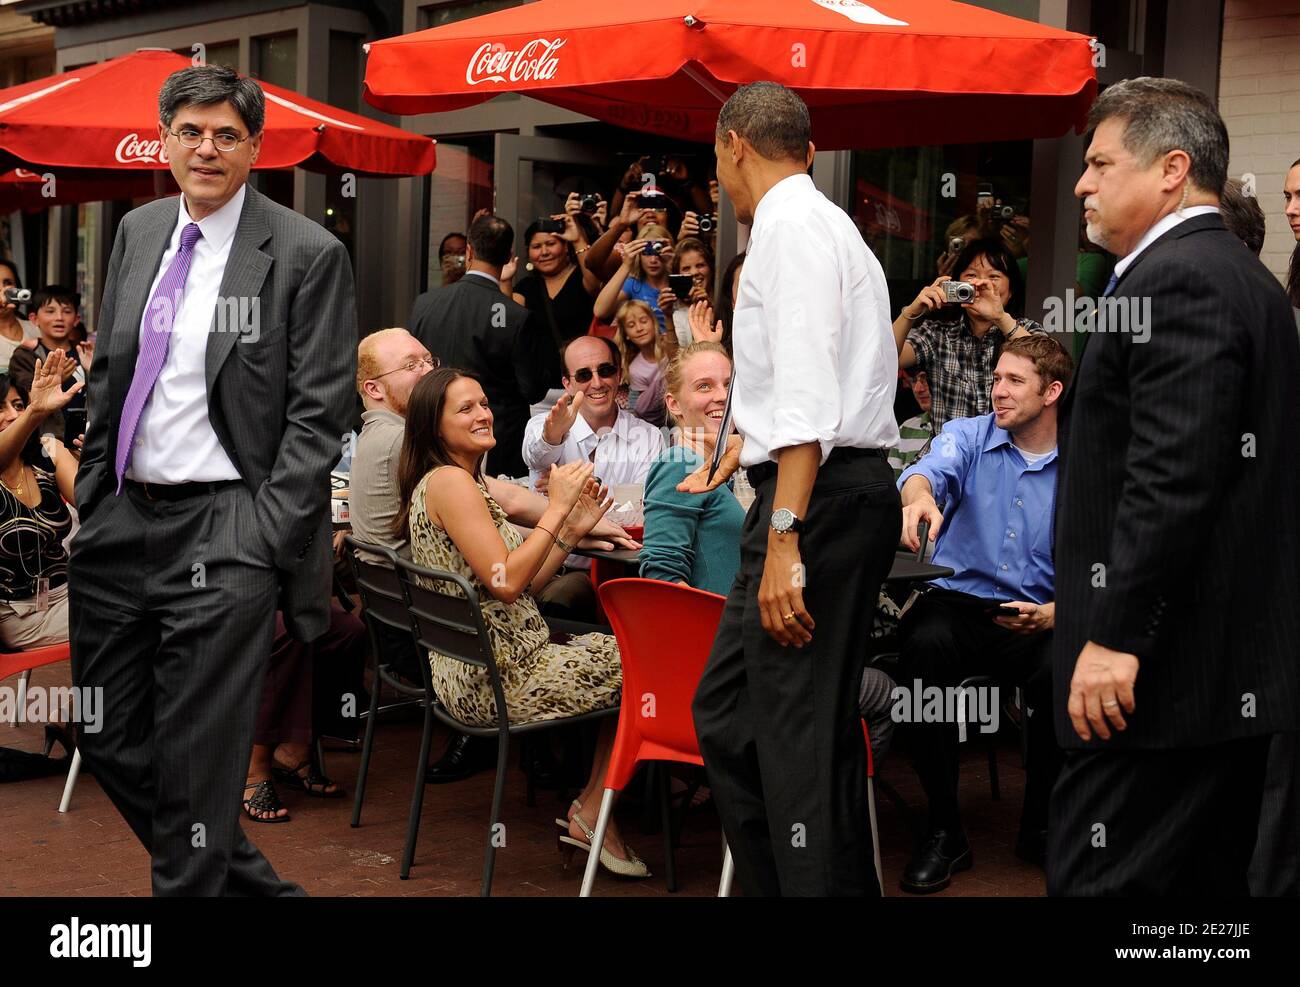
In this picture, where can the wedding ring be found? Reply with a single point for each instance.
(788, 616)
(1111, 704)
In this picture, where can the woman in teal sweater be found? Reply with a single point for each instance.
(692, 539)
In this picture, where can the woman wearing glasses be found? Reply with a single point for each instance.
(455, 525)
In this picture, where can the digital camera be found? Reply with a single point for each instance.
(958, 292)
(708, 223)
(590, 203)
(17, 295)
(555, 226)
(653, 248)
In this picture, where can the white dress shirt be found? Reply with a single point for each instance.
(624, 453)
(175, 442)
(815, 356)
(1161, 227)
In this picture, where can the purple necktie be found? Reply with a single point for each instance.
(160, 315)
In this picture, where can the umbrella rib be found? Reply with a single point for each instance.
(290, 105)
(30, 97)
(704, 82)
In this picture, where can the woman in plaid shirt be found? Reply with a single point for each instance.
(959, 344)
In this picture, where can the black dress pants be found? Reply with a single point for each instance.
(779, 727)
(946, 637)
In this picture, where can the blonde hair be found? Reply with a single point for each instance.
(663, 347)
(368, 354)
(652, 232)
(675, 371)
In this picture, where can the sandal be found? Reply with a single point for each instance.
(264, 803)
(313, 783)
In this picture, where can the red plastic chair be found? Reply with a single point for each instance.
(665, 633)
(13, 662)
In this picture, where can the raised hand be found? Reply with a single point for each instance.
(85, 354)
(47, 393)
(703, 328)
(573, 204)
(698, 482)
(589, 509)
(561, 418)
(930, 299)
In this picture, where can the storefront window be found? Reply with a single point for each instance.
(461, 185)
(275, 60)
(88, 219)
(904, 200)
(448, 13)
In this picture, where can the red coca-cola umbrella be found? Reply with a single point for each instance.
(105, 116)
(32, 191)
(873, 74)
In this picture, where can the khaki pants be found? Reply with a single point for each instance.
(25, 627)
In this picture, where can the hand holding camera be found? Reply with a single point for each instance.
(932, 297)
(986, 303)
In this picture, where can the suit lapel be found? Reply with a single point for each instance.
(139, 275)
(246, 269)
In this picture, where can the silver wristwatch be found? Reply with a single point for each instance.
(784, 520)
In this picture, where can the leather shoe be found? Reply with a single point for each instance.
(459, 761)
(931, 868)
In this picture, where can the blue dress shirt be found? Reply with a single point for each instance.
(997, 530)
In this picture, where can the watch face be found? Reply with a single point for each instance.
(782, 519)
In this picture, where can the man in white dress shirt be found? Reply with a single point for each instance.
(220, 394)
(587, 423)
(815, 366)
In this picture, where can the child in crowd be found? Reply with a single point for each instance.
(646, 349)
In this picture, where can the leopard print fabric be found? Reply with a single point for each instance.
(541, 680)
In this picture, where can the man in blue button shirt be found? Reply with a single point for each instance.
(995, 476)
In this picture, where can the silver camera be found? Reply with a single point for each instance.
(17, 295)
(958, 292)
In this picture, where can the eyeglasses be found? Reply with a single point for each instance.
(222, 142)
(606, 370)
(412, 366)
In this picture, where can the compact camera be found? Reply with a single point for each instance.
(955, 245)
(958, 292)
(653, 248)
(1004, 212)
(555, 226)
(17, 295)
(708, 223)
(652, 200)
(590, 203)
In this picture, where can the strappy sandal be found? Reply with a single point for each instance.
(574, 807)
(633, 866)
(314, 784)
(264, 803)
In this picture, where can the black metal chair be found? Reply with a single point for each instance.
(453, 626)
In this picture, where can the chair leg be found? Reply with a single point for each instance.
(367, 745)
(875, 833)
(530, 790)
(71, 783)
(994, 788)
(417, 795)
(728, 871)
(498, 793)
(597, 841)
(666, 815)
(320, 756)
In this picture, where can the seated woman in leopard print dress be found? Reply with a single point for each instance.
(456, 526)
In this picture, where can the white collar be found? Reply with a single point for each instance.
(1161, 227)
(787, 188)
(582, 429)
(218, 227)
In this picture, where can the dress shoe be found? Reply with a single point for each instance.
(461, 759)
(931, 868)
(1031, 847)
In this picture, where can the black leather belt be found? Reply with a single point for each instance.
(765, 471)
(178, 491)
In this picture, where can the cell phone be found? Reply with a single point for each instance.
(74, 425)
(1001, 611)
(555, 226)
(681, 285)
(651, 200)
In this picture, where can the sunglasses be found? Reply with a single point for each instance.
(606, 370)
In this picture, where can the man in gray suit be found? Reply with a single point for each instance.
(226, 351)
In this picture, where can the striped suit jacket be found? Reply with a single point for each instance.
(1177, 525)
(279, 374)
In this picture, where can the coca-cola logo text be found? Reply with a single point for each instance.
(494, 62)
(133, 148)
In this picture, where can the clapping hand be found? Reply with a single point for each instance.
(567, 483)
(703, 328)
(589, 509)
(561, 418)
(47, 393)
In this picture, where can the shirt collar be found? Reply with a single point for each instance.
(1162, 226)
(998, 437)
(381, 415)
(484, 274)
(786, 189)
(581, 429)
(219, 227)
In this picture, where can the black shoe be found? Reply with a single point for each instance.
(540, 766)
(931, 868)
(459, 761)
(1031, 847)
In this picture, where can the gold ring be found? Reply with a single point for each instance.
(1111, 704)
(788, 616)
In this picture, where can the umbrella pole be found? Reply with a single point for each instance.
(704, 82)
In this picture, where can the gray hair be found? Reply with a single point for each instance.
(1162, 115)
(207, 85)
(771, 117)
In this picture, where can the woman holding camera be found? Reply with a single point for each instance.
(956, 328)
(692, 259)
(643, 275)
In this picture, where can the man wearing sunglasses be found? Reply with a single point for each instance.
(587, 423)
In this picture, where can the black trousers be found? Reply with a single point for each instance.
(1165, 823)
(946, 637)
(1275, 868)
(779, 727)
(171, 608)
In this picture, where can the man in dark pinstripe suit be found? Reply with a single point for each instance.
(1177, 650)
(223, 371)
